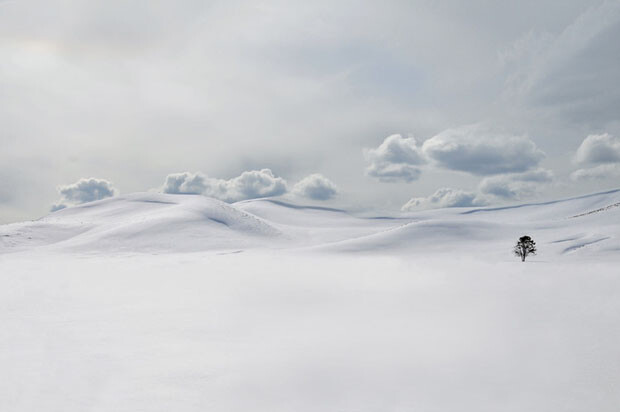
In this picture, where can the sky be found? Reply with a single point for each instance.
(391, 105)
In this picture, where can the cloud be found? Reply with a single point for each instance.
(603, 171)
(258, 183)
(395, 159)
(249, 185)
(572, 71)
(508, 187)
(316, 186)
(474, 150)
(83, 191)
(445, 197)
(597, 149)
(516, 185)
(602, 151)
(185, 183)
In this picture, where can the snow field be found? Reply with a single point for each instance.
(154, 302)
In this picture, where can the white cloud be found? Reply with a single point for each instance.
(445, 197)
(602, 151)
(83, 191)
(511, 186)
(315, 186)
(185, 183)
(249, 185)
(394, 172)
(395, 159)
(597, 149)
(603, 171)
(475, 150)
(258, 183)
(516, 185)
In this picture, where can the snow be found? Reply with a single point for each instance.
(153, 302)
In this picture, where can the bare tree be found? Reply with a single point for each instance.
(525, 246)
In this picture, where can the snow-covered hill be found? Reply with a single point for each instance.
(589, 225)
(151, 302)
(156, 223)
(144, 222)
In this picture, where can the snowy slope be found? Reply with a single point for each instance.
(145, 302)
(589, 225)
(152, 222)
(317, 225)
(144, 222)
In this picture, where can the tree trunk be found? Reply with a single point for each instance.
(523, 258)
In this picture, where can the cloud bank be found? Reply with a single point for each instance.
(445, 197)
(604, 171)
(517, 185)
(316, 187)
(512, 186)
(249, 185)
(395, 159)
(474, 150)
(83, 191)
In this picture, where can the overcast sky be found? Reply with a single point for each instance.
(382, 104)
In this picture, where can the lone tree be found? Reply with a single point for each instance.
(525, 246)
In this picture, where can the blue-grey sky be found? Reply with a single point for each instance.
(392, 104)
